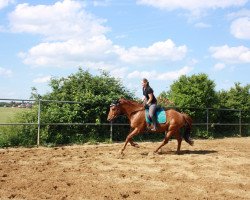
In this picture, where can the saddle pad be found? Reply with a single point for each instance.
(160, 116)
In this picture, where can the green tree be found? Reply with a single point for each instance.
(238, 98)
(94, 94)
(192, 95)
(194, 91)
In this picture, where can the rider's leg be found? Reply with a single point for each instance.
(152, 110)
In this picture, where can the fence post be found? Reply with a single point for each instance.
(38, 122)
(207, 120)
(240, 123)
(111, 131)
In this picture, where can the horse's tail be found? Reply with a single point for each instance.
(188, 127)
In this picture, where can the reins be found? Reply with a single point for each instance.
(141, 108)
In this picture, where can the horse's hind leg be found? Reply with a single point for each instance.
(179, 140)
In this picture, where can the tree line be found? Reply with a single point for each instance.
(190, 94)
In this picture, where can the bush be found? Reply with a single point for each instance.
(94, 94)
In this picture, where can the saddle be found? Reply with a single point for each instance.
(160, 116)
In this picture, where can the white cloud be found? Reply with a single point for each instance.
(69, 53)
(239, 14)
(219, 66)
(194, 6)
(101, 2)
(60, 21)
(99, 50)
(173, 75)
(119, 72)
(142, 74)
(159, 51)
(240, 28)
(43, 79)
(239, 54)
(4, 3)
(76, 38)
(5, 72)
(2, 29)
(202, 25)
(121, 36)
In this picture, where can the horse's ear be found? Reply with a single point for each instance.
(114, 103)
(121, 99)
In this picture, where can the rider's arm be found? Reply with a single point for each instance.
(150, 98)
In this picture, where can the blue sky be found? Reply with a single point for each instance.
(157, 39)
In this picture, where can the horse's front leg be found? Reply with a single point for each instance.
(134, 144)
(129, 137)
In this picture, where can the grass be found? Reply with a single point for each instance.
(8, 113)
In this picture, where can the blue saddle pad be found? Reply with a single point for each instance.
(160, 116)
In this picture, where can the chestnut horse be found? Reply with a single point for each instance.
(136, 115)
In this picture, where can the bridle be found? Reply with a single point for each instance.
(116, 105)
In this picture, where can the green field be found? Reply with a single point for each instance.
(6, 114)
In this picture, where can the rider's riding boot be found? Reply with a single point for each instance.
(148, 127)
(154, 121)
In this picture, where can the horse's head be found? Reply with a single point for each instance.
(114, 110)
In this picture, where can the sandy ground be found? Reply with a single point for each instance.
(211, 169)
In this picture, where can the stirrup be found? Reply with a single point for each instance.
(153, 129)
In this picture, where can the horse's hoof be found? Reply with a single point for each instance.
(155, 152)
(136, 145)
(120, 155)
(121, 152)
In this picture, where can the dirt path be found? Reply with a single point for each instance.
(212, 169)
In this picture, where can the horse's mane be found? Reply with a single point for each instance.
(131, 102)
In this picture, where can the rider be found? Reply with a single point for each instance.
(150, 101)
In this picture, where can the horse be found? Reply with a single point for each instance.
(135, 112)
